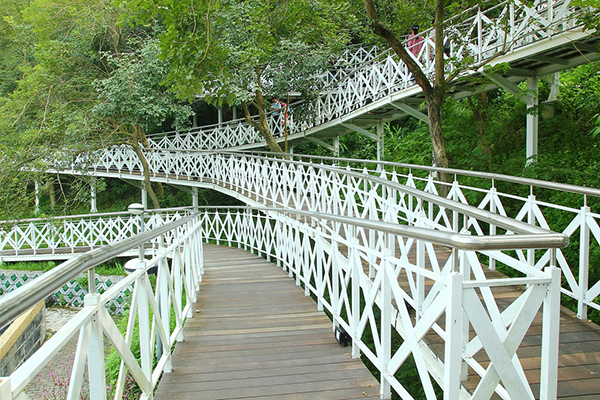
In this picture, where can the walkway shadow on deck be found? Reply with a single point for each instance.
(255, 335)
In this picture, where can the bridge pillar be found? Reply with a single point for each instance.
(37, 197)
(530, 98)
(144, 196)
(532, 119)
(94, 205)
(336, 146)
(380, 142)
(195, 197)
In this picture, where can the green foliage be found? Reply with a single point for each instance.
(226, 50)
(134, 94)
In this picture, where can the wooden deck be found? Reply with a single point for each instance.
(255, 335)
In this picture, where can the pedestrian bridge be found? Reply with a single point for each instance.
(411, 276)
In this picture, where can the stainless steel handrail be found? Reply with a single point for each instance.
(541, 240)
(465, 209)
(452, 171)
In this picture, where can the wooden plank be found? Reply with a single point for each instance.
(255, 334)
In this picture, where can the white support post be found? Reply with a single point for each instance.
(531, 221)
(454, 337)
(493, 209)
(355, 281)
(234, 110)
(195, 201)
(5, 391)
(164, 304)
(550, 334)
(94, 205)
(380, 142)
(554, 80)
(584, 263)
(144, 196)
(37, 197)
(95, 352)
(144, 325)
(385, 391)
(532, 120)
(336, 146)
(319, 281)
(220, 116)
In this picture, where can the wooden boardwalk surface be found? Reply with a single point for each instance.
(255, 335)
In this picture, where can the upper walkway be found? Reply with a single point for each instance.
(370, 87)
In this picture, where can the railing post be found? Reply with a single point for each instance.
(493, 194)
(164, 305)
(144, 325)
(385, 391)
(355, 281)
(584, 263)
(95, 352)
(531, 221)
(550, 333)
(5, 391)
(454, 337)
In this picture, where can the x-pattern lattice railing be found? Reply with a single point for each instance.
(63, 237)
(151, 313)
(315, 185)
(328, 257)
(472, 37)
(367, 274)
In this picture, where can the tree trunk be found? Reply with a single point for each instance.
(137, 131)
(144, 141)
(262, 125)
(434, 93)
(51, 192)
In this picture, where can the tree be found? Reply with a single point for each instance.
(45, 109)
(434, 88)
(240, 52)
(133, 101)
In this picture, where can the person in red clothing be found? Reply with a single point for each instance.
(415, 43)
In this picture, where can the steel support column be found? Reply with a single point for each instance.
(144, 196)
(532, 120)
(380, 142)
(94, 204)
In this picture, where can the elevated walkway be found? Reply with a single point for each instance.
(255, 335)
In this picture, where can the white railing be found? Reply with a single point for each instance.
(65, 237)
(326, 255)
(312, 183)
(472, 37)
(151, 312)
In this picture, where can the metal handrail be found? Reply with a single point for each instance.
(541, 240)
(19, 300)
(452, 171)
(478, 213)
(16, 302)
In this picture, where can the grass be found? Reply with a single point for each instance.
(113, 267)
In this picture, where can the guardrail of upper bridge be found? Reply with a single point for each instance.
(476, 34)
(312, 250)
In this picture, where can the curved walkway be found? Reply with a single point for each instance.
(255, 335)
